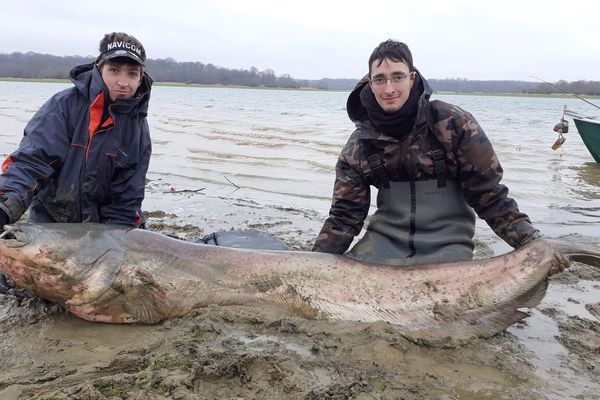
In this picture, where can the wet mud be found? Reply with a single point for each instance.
(234, 352)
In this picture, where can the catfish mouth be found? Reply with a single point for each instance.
(14, 236)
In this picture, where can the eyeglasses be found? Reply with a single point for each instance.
(395, 79)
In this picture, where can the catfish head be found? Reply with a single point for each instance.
(82, 267)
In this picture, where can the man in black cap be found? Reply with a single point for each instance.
(84, 155)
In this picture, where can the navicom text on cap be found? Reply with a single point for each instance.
(123, 49)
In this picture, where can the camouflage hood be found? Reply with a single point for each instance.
(358, 113)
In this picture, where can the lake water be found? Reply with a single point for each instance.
(280, 147)
(273, 152)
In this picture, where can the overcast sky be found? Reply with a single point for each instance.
(312, 39)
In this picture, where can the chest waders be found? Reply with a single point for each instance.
(417, 221)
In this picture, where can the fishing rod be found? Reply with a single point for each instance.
(564, 91)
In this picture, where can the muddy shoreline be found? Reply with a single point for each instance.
(239, 352)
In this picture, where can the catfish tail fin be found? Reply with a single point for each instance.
(586, 257)
(580, 248)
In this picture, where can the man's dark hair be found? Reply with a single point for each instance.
(392, 50)
(119, 37)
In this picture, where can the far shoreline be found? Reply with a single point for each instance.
(225, 86)
(177, 84)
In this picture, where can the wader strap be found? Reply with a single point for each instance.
(380, 173)
(439, 167)
(375, 160)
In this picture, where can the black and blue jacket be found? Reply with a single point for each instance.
(82, 158)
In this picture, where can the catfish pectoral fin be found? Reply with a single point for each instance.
(134, 297)
(147, 301)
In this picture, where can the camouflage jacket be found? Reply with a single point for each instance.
(470, 160)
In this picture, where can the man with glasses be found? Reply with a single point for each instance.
(432, 165)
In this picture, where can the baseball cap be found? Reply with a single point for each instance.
(122, 48)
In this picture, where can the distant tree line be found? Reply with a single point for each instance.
(169, 70)
(39, 66)
(477, 86)
(46, 66)
(585, 87)
(589, 88)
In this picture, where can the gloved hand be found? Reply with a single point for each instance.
(3, 220)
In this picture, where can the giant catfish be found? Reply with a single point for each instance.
(110, 274)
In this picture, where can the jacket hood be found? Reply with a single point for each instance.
(358, 113)
(89, 83)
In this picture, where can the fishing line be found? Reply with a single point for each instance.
(564, 91)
